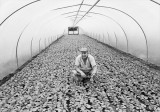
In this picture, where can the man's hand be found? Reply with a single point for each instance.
(91, 79)
(83, 74)
(92, 75)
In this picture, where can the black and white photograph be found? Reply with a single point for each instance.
(79, 55)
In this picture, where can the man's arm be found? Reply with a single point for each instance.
(93, 72)
(94, 67)
(80, 71)
(93, 64)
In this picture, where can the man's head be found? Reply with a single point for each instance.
(84, 52)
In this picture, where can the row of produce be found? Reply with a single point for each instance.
(45, 84)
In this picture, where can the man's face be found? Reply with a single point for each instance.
(84, 54)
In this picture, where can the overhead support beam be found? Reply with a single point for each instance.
(87, 12)
(78, 12)
(155, 2)
(78, 15)
(70, 12)
(65, 7)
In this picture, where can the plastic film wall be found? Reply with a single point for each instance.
(27, 27)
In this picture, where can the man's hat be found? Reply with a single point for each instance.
(84, 49)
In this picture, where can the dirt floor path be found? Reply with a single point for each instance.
(44, 85)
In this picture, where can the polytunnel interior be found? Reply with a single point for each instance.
(37, 55)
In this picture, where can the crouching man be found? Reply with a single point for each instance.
(85, 66)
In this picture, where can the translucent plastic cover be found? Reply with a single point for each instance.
(27, 27)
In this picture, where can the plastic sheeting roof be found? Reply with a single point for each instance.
(133, 24)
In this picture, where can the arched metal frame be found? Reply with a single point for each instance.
(118, 11)
(22, 30)
(68, 7)
(109, 18)
(19, 10)
(131, 18)
(18, 43)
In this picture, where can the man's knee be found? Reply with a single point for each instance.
(76, 75)
(74, 72)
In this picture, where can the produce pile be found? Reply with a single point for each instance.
(45, 84)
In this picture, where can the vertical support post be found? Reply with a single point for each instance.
(98, 37)
(17, 50)
(63, 32)
(116, 39)
(31, 47)
(39, 44)
(48, 42)
(78, 30)
(108, 39)
(103, 39)
(68, 30)
(45, 42)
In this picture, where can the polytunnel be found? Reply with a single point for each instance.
(39, 43)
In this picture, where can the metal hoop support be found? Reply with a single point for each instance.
(133, 20)
(109, 18)
(31, 47)
(39, 44)
(103, 39)
(108, 39)
(18, 10)
(119, 11)
(45, 43)
(18, 43)
(116, 39)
